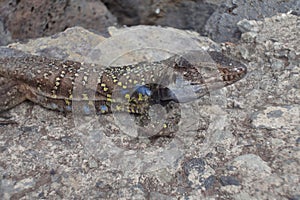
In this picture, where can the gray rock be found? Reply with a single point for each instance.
(249, 163)
(197, 164)
(229, 180)
(191, 15)
(209, 182)
(249, 25)
(295, 197)
(276, 117)
(5, 36)
(222, 25)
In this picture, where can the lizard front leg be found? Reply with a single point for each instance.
(159, 117)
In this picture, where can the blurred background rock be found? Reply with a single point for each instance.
(20, 20)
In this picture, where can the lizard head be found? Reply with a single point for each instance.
(218, 69)
(197, 78)
(230, 70)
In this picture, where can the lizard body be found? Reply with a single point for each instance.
(56, 84)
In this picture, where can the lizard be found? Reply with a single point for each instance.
(57, 84)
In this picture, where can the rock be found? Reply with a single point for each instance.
(295, 197)
(277, 117)
(209, 182)
(229, 180)
(65, 134)
(196, 164)
(32, 18)
(246, 25)
(191, 15)
(250, 164)
(256, 143)
(222, 25)
(5, 36)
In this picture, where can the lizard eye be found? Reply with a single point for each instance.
(240, 69)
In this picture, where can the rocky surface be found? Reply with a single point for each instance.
(241, 142)
(31, 19)
(222, 25)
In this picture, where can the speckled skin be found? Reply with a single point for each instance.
(57, 84)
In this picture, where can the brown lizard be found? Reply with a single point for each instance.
(56, 84)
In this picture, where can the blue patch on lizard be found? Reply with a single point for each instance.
(103, 108)
(143, 90)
